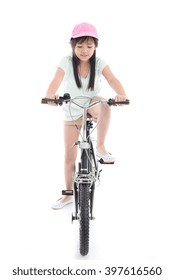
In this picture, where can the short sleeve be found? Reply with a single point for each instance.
(100, 65)
(65, 63)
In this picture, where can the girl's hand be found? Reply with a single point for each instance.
(120, 97)
(52, 97)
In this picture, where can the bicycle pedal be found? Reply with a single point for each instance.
(67, 192)
(73, 218)
(101, 161)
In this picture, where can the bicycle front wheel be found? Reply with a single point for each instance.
(84, 219)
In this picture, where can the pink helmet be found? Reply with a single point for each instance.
(84, 29)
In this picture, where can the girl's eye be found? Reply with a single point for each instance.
(80, 46)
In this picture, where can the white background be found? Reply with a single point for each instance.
(134, 203)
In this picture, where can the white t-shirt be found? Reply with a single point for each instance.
(69, 85)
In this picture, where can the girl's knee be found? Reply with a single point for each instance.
(104, 109)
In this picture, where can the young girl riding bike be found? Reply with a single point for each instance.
(81, 73)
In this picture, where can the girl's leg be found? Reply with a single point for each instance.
(102, 114)
(71, 135)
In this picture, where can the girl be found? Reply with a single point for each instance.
(81, 73)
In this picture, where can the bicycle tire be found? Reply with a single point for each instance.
(84, 219)
(84, 199)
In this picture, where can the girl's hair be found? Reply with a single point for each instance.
(76, 61)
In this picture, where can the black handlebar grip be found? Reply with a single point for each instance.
(127, 102)
(44, 101)
(113, 102)
(59, 101)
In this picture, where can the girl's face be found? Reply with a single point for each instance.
(84, 50)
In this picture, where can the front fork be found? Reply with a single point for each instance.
(84, 177)
(85, 169)
(77, 200)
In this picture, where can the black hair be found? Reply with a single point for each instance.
(76, 61)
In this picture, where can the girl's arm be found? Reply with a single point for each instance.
(115, 84)
(55, 83)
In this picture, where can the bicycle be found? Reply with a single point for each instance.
(88, 173)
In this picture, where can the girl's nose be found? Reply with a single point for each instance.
(84, 49)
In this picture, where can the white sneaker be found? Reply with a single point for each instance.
(59, 205)
(106, 158)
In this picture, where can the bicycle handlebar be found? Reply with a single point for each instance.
(66, 98)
